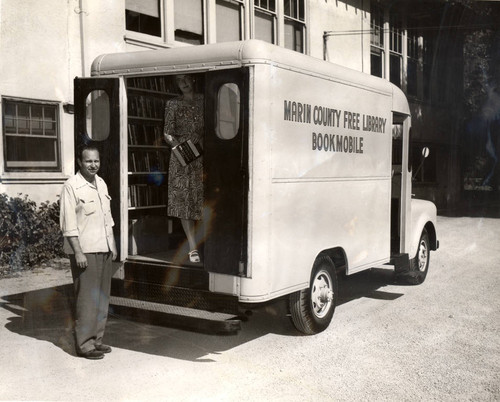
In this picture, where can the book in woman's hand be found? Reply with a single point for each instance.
(187, 151)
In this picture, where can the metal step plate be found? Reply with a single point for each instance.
(175, 316)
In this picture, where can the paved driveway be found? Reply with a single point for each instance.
(437, 341)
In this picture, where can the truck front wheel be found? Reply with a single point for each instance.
(312, 309)
(419, 265)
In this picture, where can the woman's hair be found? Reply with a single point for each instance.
(196, 78)
(184, 75)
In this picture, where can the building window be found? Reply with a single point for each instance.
(31, 135)
(295, 25)
(148, 17)
(377, 41)
(395, 50)
(269, 5)
(143, 16)
(229, 17)
(265, 20)
(189, 21)
(428, 61)
(413, 60)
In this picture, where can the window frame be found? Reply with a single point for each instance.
(271, 13)
(413, 57)
(240, 5)
(377, 43)
(202, 37)
(259, 4)
(397, 37)
(288, 17)
(428, 48)
(396, 49)
(167, 37)
(32, 166)
(297, 22)
(148, 22)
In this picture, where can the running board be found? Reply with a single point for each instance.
(175, 316)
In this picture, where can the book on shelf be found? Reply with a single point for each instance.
(144, 195)
(158, 134)
(153, 83)
(146, 107)
(130, 130)
(132, 162)
(187, 151)
(147, 161)
(142, 134)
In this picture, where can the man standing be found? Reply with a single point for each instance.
(87, 227)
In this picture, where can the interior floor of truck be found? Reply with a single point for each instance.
(177, 257)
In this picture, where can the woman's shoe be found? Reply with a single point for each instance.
(194, 256)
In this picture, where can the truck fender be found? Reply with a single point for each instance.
(423, 216)
(338, 257)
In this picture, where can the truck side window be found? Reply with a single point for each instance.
(228, 111)
(98, 115)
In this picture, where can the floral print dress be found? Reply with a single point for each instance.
(184, 121)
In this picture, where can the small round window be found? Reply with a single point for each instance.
(98, 115)
(228, 111)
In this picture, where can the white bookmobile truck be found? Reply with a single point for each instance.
(306, 175)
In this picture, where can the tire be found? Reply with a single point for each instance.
(312, 309)
(419, 265)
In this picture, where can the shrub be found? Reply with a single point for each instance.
(29, 235)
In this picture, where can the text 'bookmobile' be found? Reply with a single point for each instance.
(306, 175)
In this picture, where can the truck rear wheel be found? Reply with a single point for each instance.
(312, 308)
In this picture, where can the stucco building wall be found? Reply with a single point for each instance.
(339, 32)
(44, 45)
(38, 61)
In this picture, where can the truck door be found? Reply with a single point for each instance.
(98, 121)
(226, 172)
(401, 185)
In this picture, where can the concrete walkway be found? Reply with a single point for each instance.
(439, 341)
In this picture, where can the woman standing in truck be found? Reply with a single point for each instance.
(183, 122)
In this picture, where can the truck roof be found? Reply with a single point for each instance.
(238, 54)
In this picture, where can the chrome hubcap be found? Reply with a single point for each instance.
(322, 294)
(423, 254)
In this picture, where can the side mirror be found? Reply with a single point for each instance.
(425, 154)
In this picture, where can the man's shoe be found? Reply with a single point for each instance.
(102, 348)
(91, 354)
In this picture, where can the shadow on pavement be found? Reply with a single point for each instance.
(45, 314)
(367, 284)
